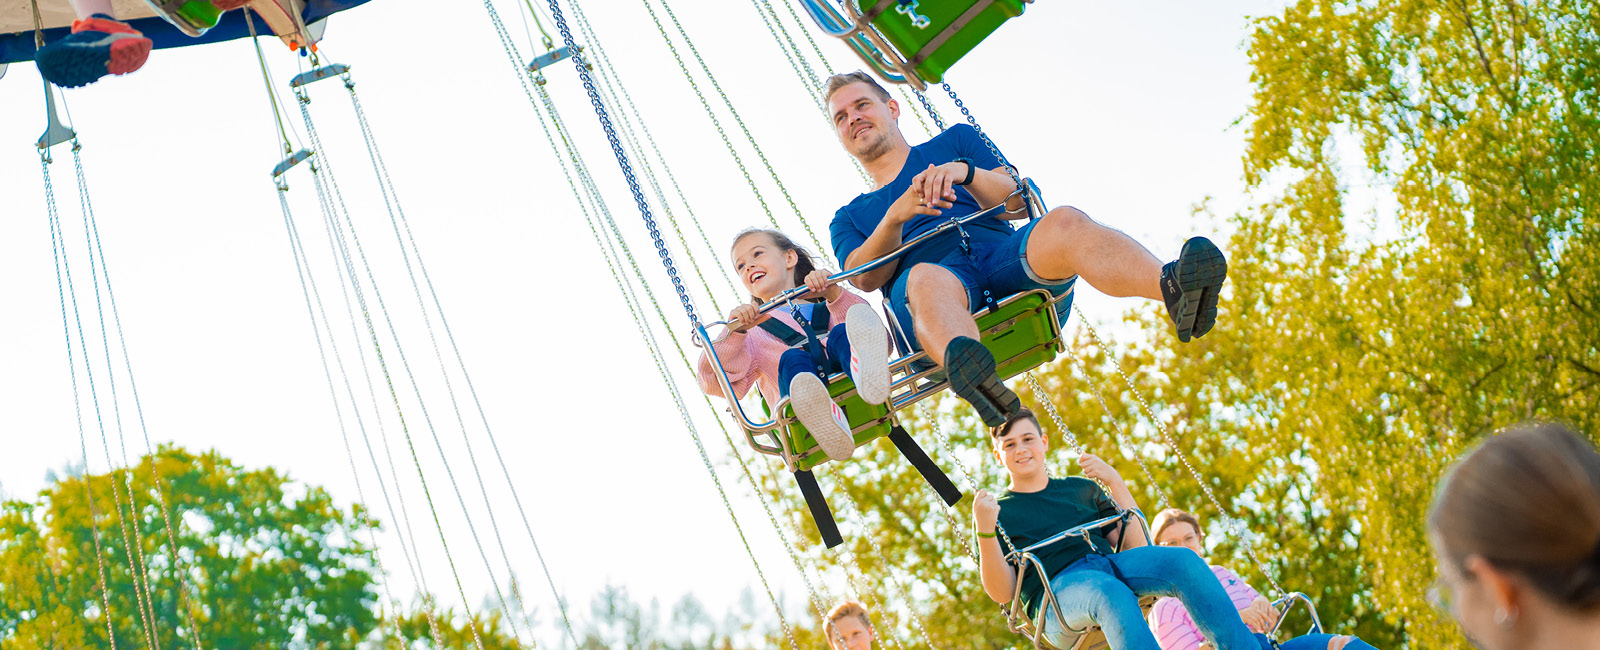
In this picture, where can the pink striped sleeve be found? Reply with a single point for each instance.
(1239, 591)
(1172, 627)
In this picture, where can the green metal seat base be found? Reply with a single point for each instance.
(1023, 331)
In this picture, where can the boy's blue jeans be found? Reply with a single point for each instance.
(1104, 590)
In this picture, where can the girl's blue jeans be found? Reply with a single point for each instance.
(797, 361)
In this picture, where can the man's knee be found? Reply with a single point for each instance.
(1065, 220)
(931, 284)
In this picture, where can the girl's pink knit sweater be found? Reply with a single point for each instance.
(751, 357)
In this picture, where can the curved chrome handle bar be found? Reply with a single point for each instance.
(1287, 602)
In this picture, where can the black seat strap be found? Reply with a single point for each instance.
(819, 508)
(930, 472)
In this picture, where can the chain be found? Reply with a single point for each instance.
(683, 412)
(1010, 169)
(92, 235)
(626, 288)
(392, 206)
(934, 114)
(911, 108)
(133, 547)
(735, 113)
(58, 252)
(622, 161)
(613, 84)
(661, 316)
(948, 441)
(1234, 528)
(904, 594)
(323, 195)
(1124, 439)
(302, 269)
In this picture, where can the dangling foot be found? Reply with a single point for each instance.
(98, 46)
(869, 368)
(1191, 284)
(974, 378)
(824, 419)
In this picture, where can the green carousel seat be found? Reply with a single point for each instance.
(913, 41)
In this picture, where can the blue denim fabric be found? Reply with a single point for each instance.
(990, 271)
(797, 361)
(1104, 590)
(1320, 642)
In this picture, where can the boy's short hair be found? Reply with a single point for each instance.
(1000, 430)
(841, 80)
(846, 609)
(1170, 516)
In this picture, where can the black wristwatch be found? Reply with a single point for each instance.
(971, 170)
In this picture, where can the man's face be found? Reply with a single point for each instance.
(1021, 449)
(864, 122)
(856, 635)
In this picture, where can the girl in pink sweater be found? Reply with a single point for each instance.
(1175, 630)
(791, 350)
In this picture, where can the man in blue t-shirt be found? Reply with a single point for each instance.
(1091, 584)
(936, 287)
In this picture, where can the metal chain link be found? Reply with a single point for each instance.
(96, 251)
(1010, 169)
(626, 288)
(613, 85)
(825, 251)
(58, 252)
(905, 594)
(130, 542)
(397, 217)
(325, 193)
(938, 121)
(912, 109)
(302, 270)
(386, 181)
(1235, 528)
(622, 161)
(1123, 438)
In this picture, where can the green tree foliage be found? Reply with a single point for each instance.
(1420, 271)
(260, 562)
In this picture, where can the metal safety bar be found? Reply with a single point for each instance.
(1287, 602)
(1016, 616)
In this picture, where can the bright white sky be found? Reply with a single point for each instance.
(1125, 110)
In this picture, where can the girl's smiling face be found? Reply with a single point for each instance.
(765, 269)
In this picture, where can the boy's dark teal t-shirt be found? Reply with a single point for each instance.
(1031, 517)
(853, 223)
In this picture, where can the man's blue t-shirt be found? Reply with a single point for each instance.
(853, 223)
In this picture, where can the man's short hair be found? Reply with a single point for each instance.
(858, 77)
(1000, 430)
(1170, 516)
(846, 609)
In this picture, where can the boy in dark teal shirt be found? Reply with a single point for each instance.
(1092, 584)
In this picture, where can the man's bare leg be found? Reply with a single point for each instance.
(947, 331)
(1066, 242)
(939, 311)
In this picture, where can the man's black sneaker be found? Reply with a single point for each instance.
(1190, 286)
(973, 377)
